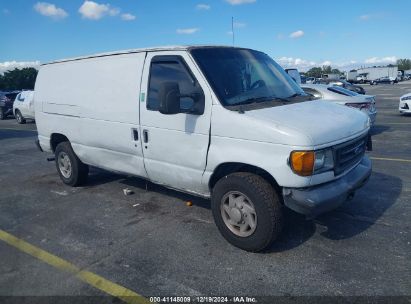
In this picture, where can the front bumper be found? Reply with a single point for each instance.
(322, 198)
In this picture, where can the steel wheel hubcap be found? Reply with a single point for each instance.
(238, 213)
(64, 164)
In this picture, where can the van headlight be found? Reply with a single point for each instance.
(306, 163)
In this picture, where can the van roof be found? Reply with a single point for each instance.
(130, 51)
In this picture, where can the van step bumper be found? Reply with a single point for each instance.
(322, 198)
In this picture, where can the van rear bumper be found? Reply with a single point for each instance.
(322, 198)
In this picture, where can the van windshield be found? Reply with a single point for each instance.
(243, 76)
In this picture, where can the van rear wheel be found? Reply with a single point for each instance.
(247, 211)
(70, 168)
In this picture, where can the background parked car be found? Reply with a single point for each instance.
(6, 103)
(405, 103)
(340, 95)
(342, 83)
(310, 80)
(387, 80)
(23, 107)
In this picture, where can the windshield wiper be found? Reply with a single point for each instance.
(295, 95)
(260, 99)
(305, 96)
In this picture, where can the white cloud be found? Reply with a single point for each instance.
(11, 65)
(301, 64)
(297, 34)
(239, 2)
(187, 31)
(128, 17)
(327, 62)
(365, 17)
(373, 16)
(305, 65)
(203, 7)
(239, 24)
(6, 11)
(95, 11)
(382, 60)
(50, 10)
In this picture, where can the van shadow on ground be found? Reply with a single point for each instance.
(352, 218)
(99, 176)
(8, 134)
(378, 129)
(364, 210)
(146, 185)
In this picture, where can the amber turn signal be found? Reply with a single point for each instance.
(302, 162)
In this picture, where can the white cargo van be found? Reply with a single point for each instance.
(219, 122)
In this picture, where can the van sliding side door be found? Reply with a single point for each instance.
(174, 145)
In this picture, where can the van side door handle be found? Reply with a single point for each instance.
(145, 136)
(135, 134)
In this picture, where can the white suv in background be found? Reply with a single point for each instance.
(340, 95)
(405, 103)
(23, 107)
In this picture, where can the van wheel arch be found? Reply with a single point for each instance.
(233, 167)
(55, 139)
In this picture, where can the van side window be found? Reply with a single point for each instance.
(170, 69)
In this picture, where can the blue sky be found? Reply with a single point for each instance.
(296, 33)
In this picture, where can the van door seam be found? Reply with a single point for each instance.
(139, 112)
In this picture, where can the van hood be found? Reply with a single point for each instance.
(321, 121)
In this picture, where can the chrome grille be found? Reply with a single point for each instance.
(348, 154)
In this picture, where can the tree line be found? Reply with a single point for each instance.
(317, 72)
(404, 64)
(18, 79)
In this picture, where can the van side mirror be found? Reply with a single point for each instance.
(170, 100)
(169, 97)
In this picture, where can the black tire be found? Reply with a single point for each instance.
(79, 170)
(267, 206)
(2, 115)
(20, 119)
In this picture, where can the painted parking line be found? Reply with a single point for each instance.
(392, 159)
(13, 129)
(88, 277)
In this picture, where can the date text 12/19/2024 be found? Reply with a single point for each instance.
(203, 299)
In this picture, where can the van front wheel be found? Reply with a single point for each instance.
(247, 211)
(70, 168)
